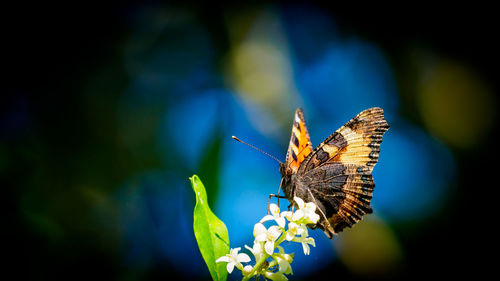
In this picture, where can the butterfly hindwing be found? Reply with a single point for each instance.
(300, 144)
(342, 193)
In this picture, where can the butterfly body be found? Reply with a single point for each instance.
(336, 175)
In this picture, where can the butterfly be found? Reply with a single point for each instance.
(336, 175)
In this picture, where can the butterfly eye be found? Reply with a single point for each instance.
(282, 169)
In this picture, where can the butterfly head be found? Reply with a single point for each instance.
(284, 170)
(286, 179)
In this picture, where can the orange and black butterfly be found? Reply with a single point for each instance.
(336, 175)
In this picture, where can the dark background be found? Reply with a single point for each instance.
(68, 172)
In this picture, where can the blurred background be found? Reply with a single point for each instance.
(108, 109)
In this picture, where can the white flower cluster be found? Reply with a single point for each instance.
(267, 240)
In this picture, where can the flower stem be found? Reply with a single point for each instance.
(256, 268)
(281, 239)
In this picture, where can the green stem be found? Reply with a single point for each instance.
(281, 239)
(256, 267)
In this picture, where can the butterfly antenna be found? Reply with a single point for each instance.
(235, 138)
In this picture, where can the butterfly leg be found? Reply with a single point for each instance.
(269, 202)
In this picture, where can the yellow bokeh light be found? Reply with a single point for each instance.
(259, 67)
(370, 248)
(455, 104)
(261, 72)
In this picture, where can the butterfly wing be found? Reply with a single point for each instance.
(357, 142)
(337, 174)
(300, 144)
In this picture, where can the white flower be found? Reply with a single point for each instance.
(234, 259)
(275, 276)
(268, 236)
(284, 260)
(295, 230)
(275, 215)
(284, 266)
(257, 250)
(305, 243)
(247, 269)
(286, 256)
(287, 215)
(306, 211)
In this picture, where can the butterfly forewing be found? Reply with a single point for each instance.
(300, 144)
(357, 142)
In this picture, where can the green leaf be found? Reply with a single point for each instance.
(210, 232)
